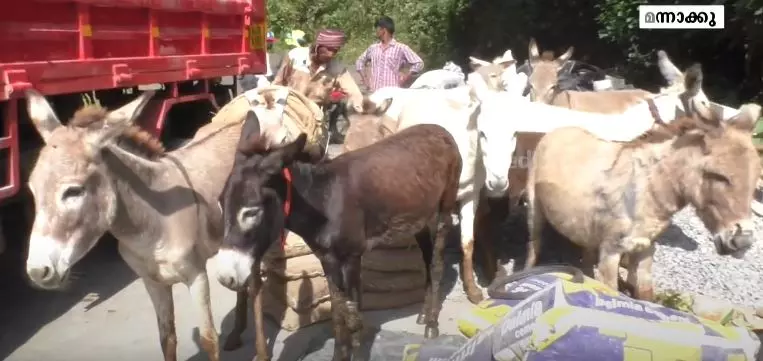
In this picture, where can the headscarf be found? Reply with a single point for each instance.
(330, 38)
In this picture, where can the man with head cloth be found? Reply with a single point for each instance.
(315, 72)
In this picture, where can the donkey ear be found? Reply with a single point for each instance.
(129, 112)
(747, 117)
(566, 56)
(669, 71)
(533, 52)
(96, 140)
(693, 79)
(279, 158)
(475, 63)
(251, 127)
(42, 115)
(383, 106)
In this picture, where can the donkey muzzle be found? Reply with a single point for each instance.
(736, 240)
(233, 269)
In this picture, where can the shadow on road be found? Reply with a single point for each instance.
(313, 337)
(25, 310)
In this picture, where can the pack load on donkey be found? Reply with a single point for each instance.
(296, 290)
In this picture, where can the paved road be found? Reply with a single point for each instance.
(106, 314)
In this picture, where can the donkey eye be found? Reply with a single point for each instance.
(72, 192)
(248, 217)
(718, 177)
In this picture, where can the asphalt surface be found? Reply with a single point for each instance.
(106, 314)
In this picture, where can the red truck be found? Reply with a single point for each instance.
(72, 50)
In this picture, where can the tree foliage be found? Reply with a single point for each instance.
(603, 32)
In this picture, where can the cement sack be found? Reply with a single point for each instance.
(376, 260)
(585, 320)
(295, 246)
(393, 259)
(304, 293)
(290, 318)
(293, 268)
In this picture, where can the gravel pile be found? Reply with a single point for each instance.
(686, 261)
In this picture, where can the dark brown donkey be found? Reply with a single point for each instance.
(401, 186)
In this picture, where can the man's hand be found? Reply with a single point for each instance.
(403, 79)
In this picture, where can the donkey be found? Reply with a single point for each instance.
(401, 186)
(544, 79)
(616, 198)
(99, 173)
(452, 109)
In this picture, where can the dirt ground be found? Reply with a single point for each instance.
(106, 314)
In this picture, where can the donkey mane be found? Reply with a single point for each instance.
(91, 117)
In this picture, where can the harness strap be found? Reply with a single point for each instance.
(653, 110)
(286, 204)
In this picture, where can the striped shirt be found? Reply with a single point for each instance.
(386, 64)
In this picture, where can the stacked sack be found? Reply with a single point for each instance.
(296, 290)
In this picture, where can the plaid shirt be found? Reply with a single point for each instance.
(386, 64)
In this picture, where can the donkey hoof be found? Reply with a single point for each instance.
(232, 343)
(475, 297)
(422, 319)
(431, 332)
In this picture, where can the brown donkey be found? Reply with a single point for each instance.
(99, 173)
(616, 198)
(398, 187)
(544, 76)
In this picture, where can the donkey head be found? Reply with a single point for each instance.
(253, 201)
(74, 196)
(544, 74)
(498, 75)
(724, 172)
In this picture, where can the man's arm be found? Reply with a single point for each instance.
(284, 72)
(413, 59)
(415, 63)
(348, 85)
(360, 65)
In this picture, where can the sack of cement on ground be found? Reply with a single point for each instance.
(508, 291)
(596, 323)
(381, 345)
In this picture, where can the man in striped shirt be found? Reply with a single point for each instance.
(387, 57)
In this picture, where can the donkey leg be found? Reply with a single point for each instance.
(640, 274)
(353, 318)
(590, 255)
(199, 287)
(609, 266)
(535, 222)
(260, 343)
(233, 340)
(424, 239)
(161, 298)
(432, 329)
(473, 293)
(333, 271)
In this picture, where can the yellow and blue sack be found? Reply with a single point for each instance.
(554, 314)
